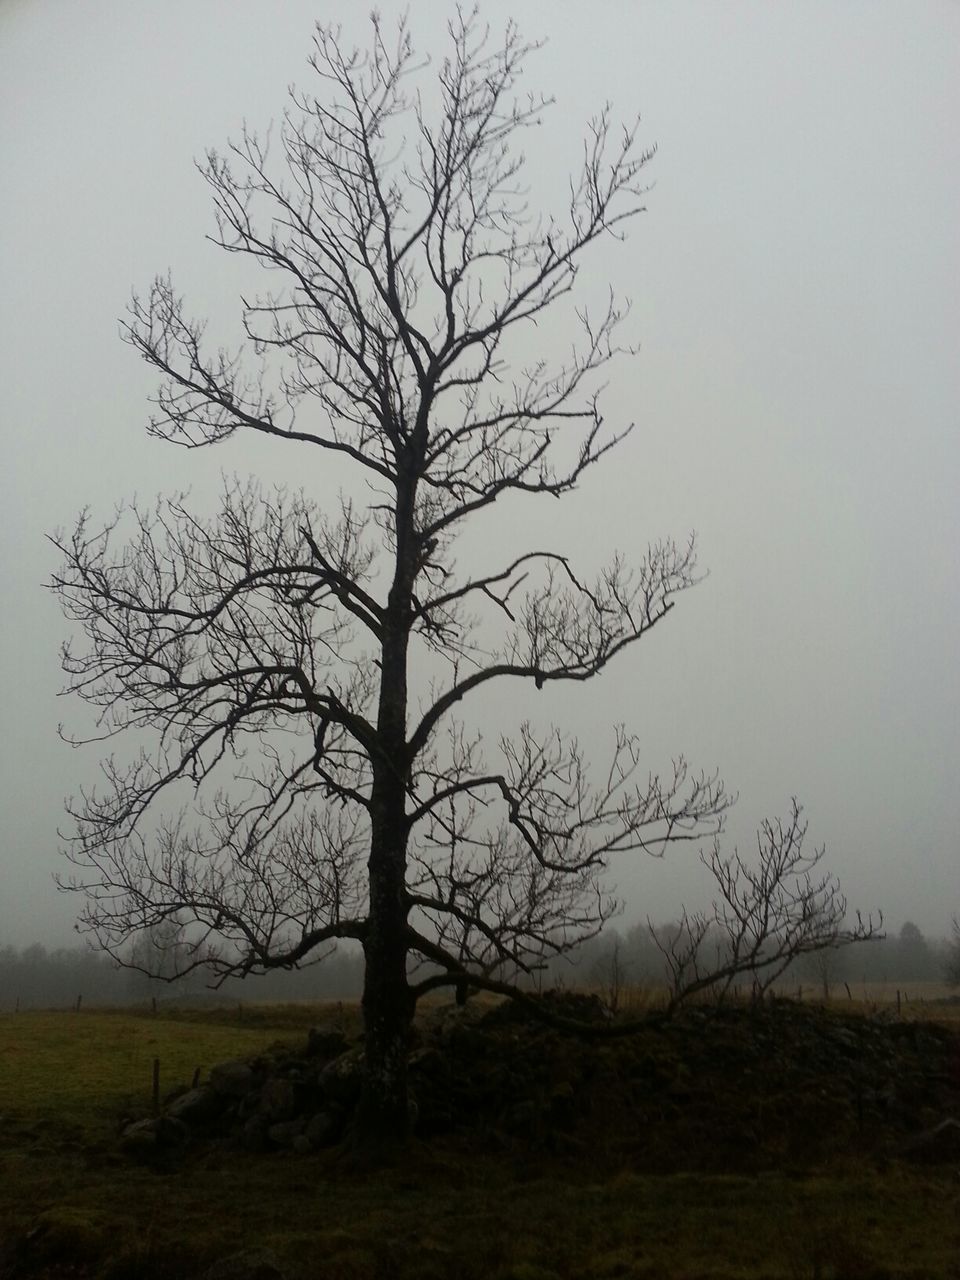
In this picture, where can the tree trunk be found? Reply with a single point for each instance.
(383, 1117)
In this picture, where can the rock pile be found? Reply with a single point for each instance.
(719, 1089)
(301, 1101)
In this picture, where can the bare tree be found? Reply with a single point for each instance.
(296, 789)
(767, 915)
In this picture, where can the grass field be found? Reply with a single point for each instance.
(73, 1204)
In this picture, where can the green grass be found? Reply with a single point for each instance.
(70, 1197)
(80, 1068)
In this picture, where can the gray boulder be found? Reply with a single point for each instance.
(341, 1080)
(253, 1135)
(233, 1079)
(196, 1106)
(324, 1129)
(283, 1133)
(141, 1136)
(278, 1099)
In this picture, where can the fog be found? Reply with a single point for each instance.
(795, 286)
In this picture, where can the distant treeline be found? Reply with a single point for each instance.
(633, 957)
(35, 977)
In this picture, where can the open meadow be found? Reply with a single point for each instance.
(713, 1146)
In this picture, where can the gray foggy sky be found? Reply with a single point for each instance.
(795, 287)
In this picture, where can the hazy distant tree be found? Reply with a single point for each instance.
(644, 955)
(38, 978)
(271, 650)
(768, 914)
(824, 971)
(160, 953)
(914, 961)
(952, 966)
(610, 970)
